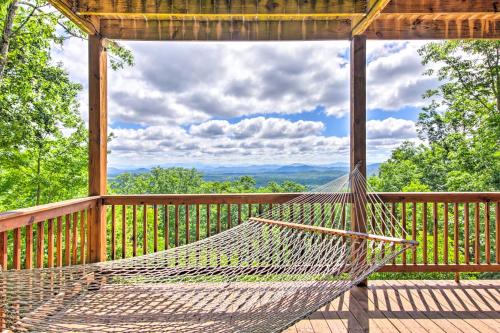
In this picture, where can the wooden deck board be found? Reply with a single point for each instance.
(411, 307)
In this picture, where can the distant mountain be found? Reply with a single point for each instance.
(309, 175)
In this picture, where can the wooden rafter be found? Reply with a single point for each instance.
(374, 9)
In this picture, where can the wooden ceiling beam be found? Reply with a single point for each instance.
(441, 6)
(236, 30)
(395, 26)
(234, 7)
(88, 25)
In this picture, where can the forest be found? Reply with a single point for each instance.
(43, 138)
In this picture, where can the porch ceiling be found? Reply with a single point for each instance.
(284, 19)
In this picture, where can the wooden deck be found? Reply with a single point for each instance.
(410, 306)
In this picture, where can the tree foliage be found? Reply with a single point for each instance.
(460, 126)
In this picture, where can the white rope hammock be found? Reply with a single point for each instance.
(261, 276)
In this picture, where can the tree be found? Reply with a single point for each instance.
(43, 140)
(460, 126)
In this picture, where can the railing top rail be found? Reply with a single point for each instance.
(26, 216)
(245, 198)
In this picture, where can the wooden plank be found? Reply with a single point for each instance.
(22, 217)
(226, 30)
(329, 231)
(360, 25)
(98, 138)
(229, 216)
(455, 233)
(218, 225)
(40, 236)
(466, 233)
(414, 231)
(208, 220)
(152, 8)
(403, 226)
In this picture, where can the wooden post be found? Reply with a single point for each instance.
(97, 144)
(358, 130)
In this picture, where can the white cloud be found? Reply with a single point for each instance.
(391, 128)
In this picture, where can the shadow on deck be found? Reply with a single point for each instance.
(410, 306)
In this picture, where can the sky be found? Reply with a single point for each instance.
(252, 103)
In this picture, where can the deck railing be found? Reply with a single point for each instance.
(458, 232)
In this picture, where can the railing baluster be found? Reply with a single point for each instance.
(59, 250)
(144, 229)
(75, 238)
(124, 231)
(445, 234)
(29, 247)
(82, 237)
(393, 227)
(476, 234)
(39, 244)
(67, 241)
(166, 220)
(187, 223)
(197, 222)
(239, 214)
(155, 228)
(3, 250)
(466, 233)
(208, 220)
(218, 219)
(17, 249)
(414, 230)
(435, 231)
(229, 216)
(50, 243)
(487, 248)
(134, 230)
(497, 227)
(403, 226)
(455, 233)
(113, 232)
(176, 225)
(424, 232)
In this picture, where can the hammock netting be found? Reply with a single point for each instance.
(260, 276)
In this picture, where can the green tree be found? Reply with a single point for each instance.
(460, 126)
(43, 140)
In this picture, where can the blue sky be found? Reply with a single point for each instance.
(253, 103)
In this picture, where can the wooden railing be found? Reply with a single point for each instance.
(457, 232)
(46, 236)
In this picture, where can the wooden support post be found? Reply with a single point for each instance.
(358, 131)
(97, 144)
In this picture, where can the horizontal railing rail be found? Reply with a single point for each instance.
(457, 232)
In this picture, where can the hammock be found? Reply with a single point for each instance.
(260, 276)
